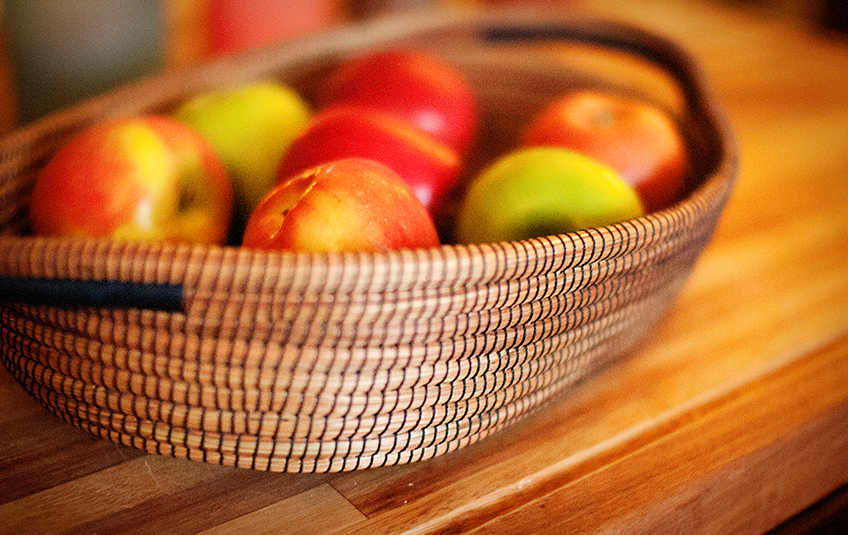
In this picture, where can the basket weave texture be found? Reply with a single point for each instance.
(315, 363)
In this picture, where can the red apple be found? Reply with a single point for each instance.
(430, 168)
(415, 85)
(352, 205)
(636, 139)
(142, 178)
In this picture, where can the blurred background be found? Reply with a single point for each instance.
(58, 52)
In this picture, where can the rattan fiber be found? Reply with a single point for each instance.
(310, 363)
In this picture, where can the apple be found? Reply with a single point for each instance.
(349, 205)
(636, 139)
(412, 84)
(140, 178)
(429, 168)
(251, 127)
(540, 191)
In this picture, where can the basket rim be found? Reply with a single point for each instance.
(34, 257)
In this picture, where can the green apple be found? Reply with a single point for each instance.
(250, 127)
(541, 191)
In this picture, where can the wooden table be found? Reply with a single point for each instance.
(732, 418)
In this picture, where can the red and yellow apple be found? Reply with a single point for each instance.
(349, 205)
(541, 191)
(411, 84)
(251, 127)
(636, 139)
(429, 168)
(142, 178)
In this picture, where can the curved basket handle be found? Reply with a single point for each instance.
(708, 140)
(606, 34)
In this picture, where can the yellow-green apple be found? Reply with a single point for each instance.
(349, 205)
(141, 178)
(638, 140)
(251, 127)
(542, 191)
(418, 86)
(429, 167)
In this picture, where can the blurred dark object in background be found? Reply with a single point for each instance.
(823, 14)
(835, 15)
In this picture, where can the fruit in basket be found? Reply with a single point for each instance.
(540, 191)
(251, 127)
(141, 178)
(638, 140)
(415, 85)
(349, 205)
(429, 167)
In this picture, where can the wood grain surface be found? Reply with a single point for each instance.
(730, 419)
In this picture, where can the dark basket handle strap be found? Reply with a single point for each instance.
(75, 293)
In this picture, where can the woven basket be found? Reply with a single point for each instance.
(330, 362)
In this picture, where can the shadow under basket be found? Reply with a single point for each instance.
(330, 362)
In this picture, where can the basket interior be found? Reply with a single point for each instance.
(514, 76)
